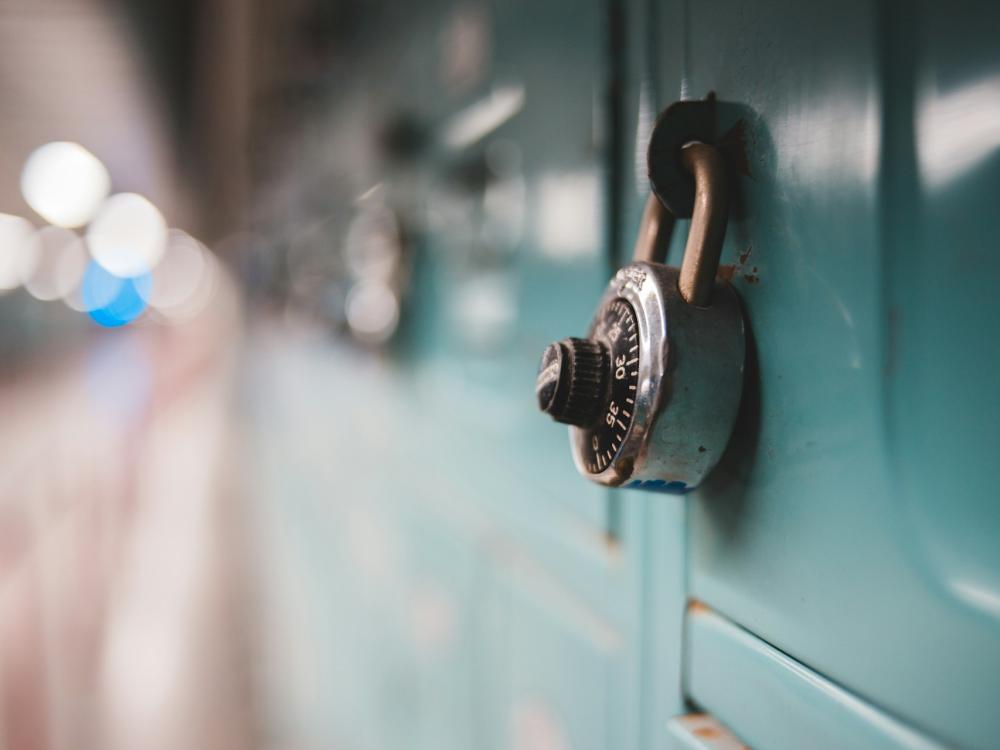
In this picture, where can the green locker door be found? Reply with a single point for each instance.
(446, 577)
(853, 524)
(456, 583)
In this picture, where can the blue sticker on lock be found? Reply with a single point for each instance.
(660, 485)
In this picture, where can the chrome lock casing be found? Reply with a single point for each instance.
(689, 386)
(652, 394)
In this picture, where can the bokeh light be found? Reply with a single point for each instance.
(61, 260)
(64, 183)
(112, 301)
(18, 251)
(128, 236)
(372, 311)
(183, 280)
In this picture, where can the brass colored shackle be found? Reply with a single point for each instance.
(708, 224)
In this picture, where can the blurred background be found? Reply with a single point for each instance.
(125, 184)
(274, 282)
(261, 265)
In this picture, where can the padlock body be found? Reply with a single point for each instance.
(689, 383)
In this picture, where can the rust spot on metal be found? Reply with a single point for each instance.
(706, 732)
(738, 269)
(696, 607)
(611, 542)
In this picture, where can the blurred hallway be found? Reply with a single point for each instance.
(121, 612)
(121, 618)
(279, 468)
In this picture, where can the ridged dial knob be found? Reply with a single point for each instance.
(571, 380)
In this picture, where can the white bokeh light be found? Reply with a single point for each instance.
(372, 311)
(18, 251)
(62, 260)
(128, 236)
(183, 281)
(64, 183)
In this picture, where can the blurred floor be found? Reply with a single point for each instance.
(120, 621)
(344, 616)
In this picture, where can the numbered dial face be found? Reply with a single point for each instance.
(615, 327)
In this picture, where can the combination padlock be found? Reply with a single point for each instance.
(652, 392)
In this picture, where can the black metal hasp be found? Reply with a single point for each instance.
(680, 123)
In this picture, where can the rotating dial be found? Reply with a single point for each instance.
(615, 328)
(591, 383)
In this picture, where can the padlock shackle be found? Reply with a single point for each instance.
(708, 222)
(655, 231)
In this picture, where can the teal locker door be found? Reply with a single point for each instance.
(853, 524)
(454, 580)
(525, 267)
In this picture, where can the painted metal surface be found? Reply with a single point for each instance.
(439, 575)
(775, 701)
(490, 597)
(854, 522)
(402, 615)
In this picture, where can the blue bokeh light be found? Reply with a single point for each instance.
(111, 301)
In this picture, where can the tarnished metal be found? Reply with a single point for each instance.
(690, 382)
(708, 222)
(673, 339)
(703, 249)
(655, 231)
